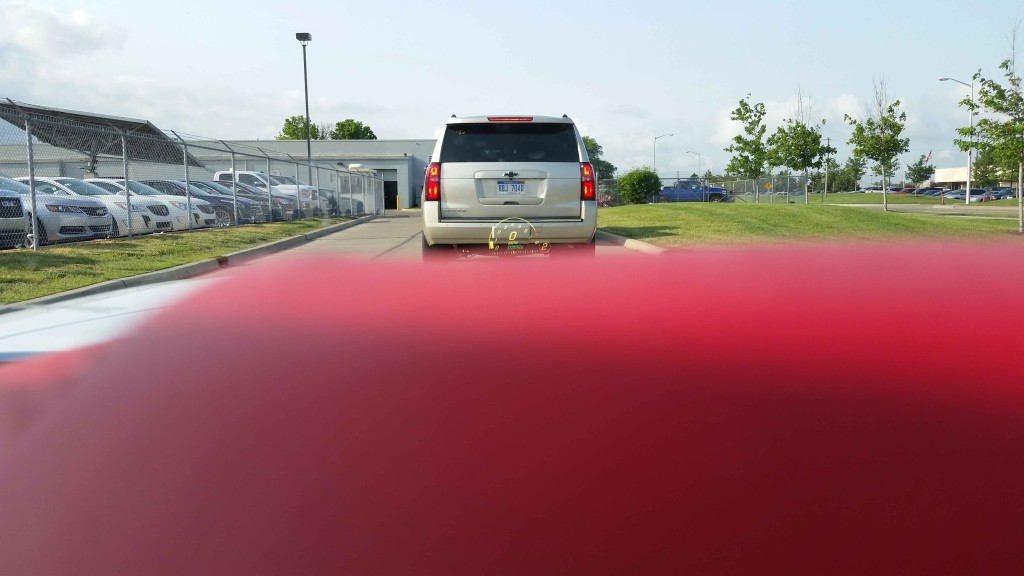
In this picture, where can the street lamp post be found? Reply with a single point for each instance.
(656, 150)
(305, 38)
(700, 161)
(970, 146)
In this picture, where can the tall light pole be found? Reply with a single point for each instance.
(656, 150)
(700, 161)
(305, 38)
(970, 147)
(699, 164)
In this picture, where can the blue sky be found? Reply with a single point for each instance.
(625, 71)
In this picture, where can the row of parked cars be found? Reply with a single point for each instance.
(71, 209)
(977, 194)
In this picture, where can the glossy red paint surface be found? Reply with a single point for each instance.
(727, 413)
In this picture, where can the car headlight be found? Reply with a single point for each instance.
(63, 208)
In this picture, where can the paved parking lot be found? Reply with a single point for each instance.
(396, 235)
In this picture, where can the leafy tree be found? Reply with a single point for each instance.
(986, 171)
(797, 145)
(605, 169)
(322, 130)
(295, 129)
(1000, 134)
(639, 185)
(877, 137)
(920, 171)
(848, 177)
(750, 153)
(350, 129)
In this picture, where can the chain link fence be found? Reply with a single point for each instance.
(770, 189)
(67, 180)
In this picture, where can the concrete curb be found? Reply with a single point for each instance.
(189, 270)
(629, 243)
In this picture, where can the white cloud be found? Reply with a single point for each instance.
(39, 33)
(630, 111)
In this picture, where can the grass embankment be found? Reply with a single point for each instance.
(25, 274)
(692, 225)
(874, 198)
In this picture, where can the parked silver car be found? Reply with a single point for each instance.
(147, 215)
(177, 206)
(977, 194)
(13, 222)
(513, 184)
(63, 217)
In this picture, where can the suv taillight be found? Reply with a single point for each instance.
(588, 188)
(432, 184)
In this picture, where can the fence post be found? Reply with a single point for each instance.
(127, 192)
(316, 187)
(32, 184)
(188, 184)
(298, 184)
(270, 194)
(337, 191)
(351, 199)
(234, 183)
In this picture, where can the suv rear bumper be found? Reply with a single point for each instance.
(436, 231)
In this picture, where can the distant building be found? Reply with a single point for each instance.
(950, 177)
(401, 163)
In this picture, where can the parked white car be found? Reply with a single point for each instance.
(177, 206)
(147, 215)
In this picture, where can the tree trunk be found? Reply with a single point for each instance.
(807, 184)
(1020, 197)
(885, 193)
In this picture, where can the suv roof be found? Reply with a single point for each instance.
(510, 118)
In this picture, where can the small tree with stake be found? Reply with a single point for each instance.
(877, 138)
(797, 143)
(750, 153)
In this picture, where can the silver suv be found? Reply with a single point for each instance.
(513, 184)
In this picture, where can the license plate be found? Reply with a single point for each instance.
(511, 187)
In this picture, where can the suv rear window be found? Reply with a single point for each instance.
(511, 142)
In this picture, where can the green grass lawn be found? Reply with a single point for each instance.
(695, 224)
(25, 274)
